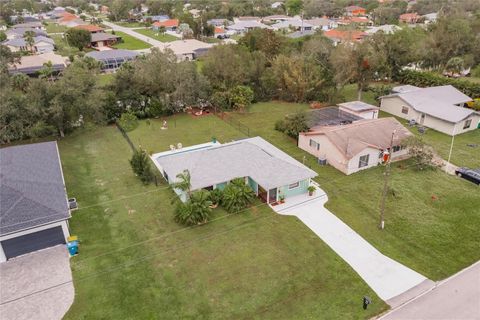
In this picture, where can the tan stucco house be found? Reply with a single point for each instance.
(440, 108)
(357, 146)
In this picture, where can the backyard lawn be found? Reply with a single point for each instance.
(52, 27)
(135, 262)
(156, 35)
(130, 24)
(63, 48)
(431, 222)
(130, 43)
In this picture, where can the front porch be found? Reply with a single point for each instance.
(298, 199)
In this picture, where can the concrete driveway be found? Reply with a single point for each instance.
(36, 286)
(457, 297)
(388, 278)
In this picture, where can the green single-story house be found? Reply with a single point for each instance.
(271, 173)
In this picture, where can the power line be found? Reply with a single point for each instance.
(132, 262)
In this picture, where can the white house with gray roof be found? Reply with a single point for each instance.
(440, 108)
(34, 209)
(270, 172)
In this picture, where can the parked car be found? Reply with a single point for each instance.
(472, 175)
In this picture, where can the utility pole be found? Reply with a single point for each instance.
(387, 155)
(447, 165)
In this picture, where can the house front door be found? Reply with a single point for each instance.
(272, 195)
(422, 118)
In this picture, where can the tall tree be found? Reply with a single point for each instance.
(78, 38)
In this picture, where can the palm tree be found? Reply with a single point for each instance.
(196, 210)
(47, 71)
(29, 39)
(237, 195)
(183, 182)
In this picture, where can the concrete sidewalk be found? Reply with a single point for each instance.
(457, 297)
(387, 277)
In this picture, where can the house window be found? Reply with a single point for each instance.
(294, 185)
(363, 161)
(405, 110)
(467, 124)
(314, 144)
(396, 148)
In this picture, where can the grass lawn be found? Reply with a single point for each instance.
(156, 35)
(434, 237)
(130, 24)
(105, 78)
(55, 28)
(463, 155)
(135, 262)
(130, 43)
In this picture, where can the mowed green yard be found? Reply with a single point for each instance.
(431, 222)
(135, 262)
(130, 43)
(156, 35)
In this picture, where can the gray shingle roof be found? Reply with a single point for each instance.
(32, 190)
(21, 42)
(439, 102)
(103, 36)
(254, 157)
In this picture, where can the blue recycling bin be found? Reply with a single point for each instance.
(72, 247)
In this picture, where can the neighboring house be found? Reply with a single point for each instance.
(360, 109)
(440, 108)
(324, 23)
(41, 44)
(361, 21)
(195, 13)
(246, 18)
(35, 209)
(89, 27)
(299, 34)
(20, 33)
(294, 24)
(409, 18)
(33, 25)
(276, 18)
(219, 31)
(113, 59)
(276, 5)
(387, 29)
(355, 11)
(156, 18)
(103, 39)
(247, 25)
(170, 24)
(357, 146)
(189, 49)
(270, 172)
(69, 20)
(338, 36)
(31, 65)
(218, 22)
(430, 17)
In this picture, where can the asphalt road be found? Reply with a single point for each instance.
(456, 298)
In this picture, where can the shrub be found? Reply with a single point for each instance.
(294, 124)
(237, 196)
(216, 196)
(128, 121)
(428, 79)
(141, 166)
(476, 71)
(196, 210)
(280, 125)
(421, 154)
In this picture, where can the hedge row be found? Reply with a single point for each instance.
(428, 79)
